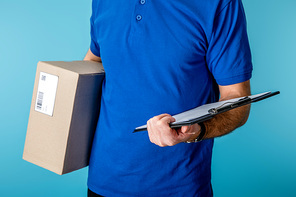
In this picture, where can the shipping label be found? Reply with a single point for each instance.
(46, 93)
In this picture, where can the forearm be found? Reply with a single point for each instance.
(226, 122)
(91, 57)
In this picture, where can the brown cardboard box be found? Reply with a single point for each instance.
(63, 115)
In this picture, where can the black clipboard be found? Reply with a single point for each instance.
(208, 111)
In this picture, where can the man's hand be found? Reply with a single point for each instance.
(162, 135)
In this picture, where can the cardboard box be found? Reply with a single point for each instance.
(63, 114)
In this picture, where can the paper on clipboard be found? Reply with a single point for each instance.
(201, 113)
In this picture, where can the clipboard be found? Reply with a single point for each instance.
(208, 111)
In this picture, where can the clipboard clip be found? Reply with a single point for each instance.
(230, 105)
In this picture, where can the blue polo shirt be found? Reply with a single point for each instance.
(160, 56)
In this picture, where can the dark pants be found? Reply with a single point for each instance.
(92, 194)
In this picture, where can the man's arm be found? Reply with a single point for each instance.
(91, 57)
(226, 122)
(161, 134)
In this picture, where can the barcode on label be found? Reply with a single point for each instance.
(39, 100)
(43, 77)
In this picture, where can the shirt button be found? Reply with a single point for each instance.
(142, 2)
(138, 17)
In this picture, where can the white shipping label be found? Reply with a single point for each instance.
(46, 93)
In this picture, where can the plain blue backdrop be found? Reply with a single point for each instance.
(258, 159)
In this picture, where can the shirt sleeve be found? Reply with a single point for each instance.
(229, 56)
(94, 46)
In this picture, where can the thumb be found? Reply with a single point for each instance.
(168, 119)
(172, 119)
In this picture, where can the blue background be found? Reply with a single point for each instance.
(258, 159)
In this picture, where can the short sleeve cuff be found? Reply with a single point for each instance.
(235, 79)
(94, 49)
